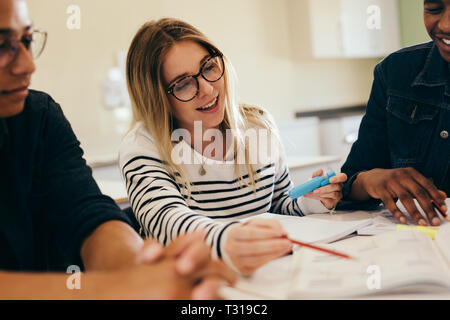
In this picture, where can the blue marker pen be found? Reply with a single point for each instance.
(311, 185)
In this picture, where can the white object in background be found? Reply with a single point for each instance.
(122, 62)
(354, 28)
(300, 137)
(111, 89)
(361, 38)
(115, 88)
(114, 189)
(123, 114)
(337, 136)
(301, 168)
(326, 28)
(123, 117)
(115, 75)
(115, 91)
(350, 127)
(301, 142)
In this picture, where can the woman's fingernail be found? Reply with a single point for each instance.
(208, 291)
(422, 222)
(184, 266)
(436, 221)
(289, 245)
(283, 234)
(402, 219)
(151, 253)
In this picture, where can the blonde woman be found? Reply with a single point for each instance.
(192, 159)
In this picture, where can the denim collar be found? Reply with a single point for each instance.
(435, 73)
(3, 133)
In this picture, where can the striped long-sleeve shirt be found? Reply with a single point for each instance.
(217, 198)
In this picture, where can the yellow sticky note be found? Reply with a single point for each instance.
(431, 231)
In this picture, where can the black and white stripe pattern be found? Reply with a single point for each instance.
(217, 199)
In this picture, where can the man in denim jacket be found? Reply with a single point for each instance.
(403, 148)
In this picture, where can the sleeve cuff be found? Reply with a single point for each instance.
(310, 206)
(348, 204)
(348, 185)
(221, 246)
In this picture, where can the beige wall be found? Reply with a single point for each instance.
(411, 21)
(268, 42)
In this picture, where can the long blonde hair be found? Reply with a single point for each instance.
(151, 105)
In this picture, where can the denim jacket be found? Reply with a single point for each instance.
(407, 120)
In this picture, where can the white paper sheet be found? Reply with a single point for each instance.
(312, 230)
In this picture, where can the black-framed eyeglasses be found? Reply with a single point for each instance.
(187, 88)
(33, 42)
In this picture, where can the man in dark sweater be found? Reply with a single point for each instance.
(403, 147)
(53, 215)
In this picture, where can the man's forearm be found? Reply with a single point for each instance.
(113, 245)
(23, 285)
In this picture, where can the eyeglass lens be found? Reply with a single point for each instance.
(9, 47)
(38, 44)
(187, 88)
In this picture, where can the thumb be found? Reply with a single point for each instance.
(317, 173)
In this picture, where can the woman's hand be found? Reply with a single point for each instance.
(330, 194)
(256, 242)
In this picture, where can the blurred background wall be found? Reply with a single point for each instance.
(268, 41)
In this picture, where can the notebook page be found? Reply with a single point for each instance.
(384, 262)
(271, 281)
(313, 230)
(442, 241)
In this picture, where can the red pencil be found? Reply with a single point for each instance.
(439, 209)
(335, 253)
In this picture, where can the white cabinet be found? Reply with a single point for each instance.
(337, 136)
(301, 168)
(301, 142)
(354, 28)
(300, 137)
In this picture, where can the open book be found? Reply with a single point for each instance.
(388, 262)
(272, 280)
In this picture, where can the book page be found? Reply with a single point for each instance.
(384, 262)
(442, 241)
(314, 230)
(271, 281)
